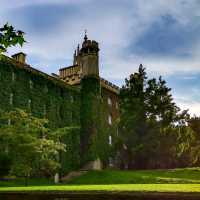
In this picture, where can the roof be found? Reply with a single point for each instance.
(19, 54)
(36, 71)
(68, 67)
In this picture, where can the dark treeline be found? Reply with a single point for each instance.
(153, 131)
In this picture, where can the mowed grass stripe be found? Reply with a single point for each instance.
(111, 188)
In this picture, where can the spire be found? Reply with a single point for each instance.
(78, 49)
(74, 61)
(85, 37)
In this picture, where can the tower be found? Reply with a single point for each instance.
(90, 100)
(89, 58)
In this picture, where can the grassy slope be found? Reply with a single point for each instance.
(139, 177)
(179, 180)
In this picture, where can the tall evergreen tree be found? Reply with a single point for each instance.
(132, 116)
(147, 111)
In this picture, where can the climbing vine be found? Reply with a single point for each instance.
(45, 97)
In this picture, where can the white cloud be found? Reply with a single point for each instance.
(20, 3)
(114, 24)
(114, 27)
(186, 103)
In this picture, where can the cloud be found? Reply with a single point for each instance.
(163, 35)
(192, 106)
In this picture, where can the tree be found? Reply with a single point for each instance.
(29, 143)
(10, 37)
(5, 163)
(132, 116)
(149, 114)
(194, 124)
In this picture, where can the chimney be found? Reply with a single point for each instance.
(20, 57)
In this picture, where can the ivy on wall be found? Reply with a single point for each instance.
(89, 113)
(22, 87)
(70, 160)
(63, 106)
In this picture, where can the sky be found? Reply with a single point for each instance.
(163, 35)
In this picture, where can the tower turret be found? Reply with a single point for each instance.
(89, 57)
(90, 102)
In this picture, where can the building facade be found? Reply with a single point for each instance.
(77, 96)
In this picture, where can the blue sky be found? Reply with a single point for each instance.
(162, 35)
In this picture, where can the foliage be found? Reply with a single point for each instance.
(5, 164)
(70, 159)
(153, 130)
(90, 118)
(46, 97)
(29, 143)
(194, 124)
(10, 37)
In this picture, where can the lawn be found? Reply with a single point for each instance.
(111, 188)
(178, 180)
(179, 176)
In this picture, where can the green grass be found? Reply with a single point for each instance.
(21, 182)
(178, 180)
(111, 188)
(179, 176)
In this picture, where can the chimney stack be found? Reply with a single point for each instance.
(20, 57)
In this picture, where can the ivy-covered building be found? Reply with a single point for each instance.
(77, 96)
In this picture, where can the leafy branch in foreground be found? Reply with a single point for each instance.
(10, 37)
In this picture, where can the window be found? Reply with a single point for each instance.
(110, 140)
(45, 110)
(13, 76)
(71, 99)
(46, 89)
(117, 131)
(29, 103)
(31, 84)
(11, 98)
(116, 105)
(109, 101)
(110, 119)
